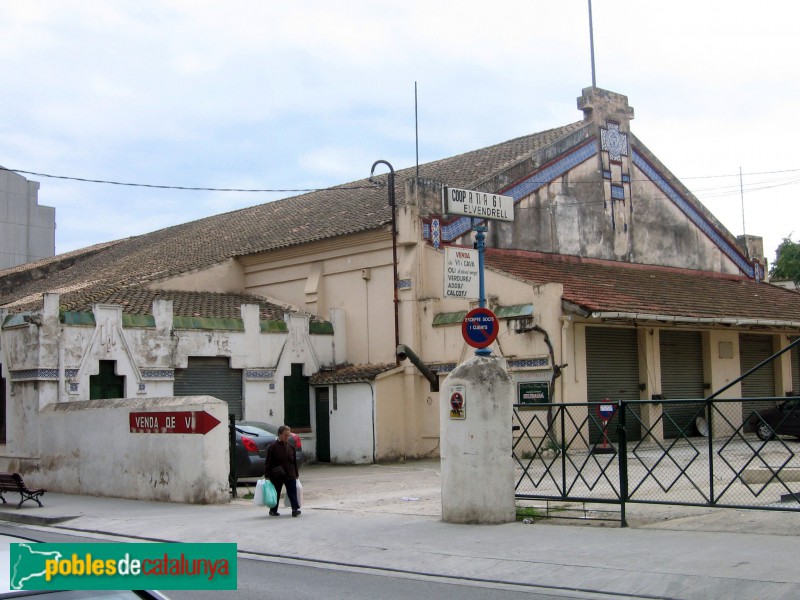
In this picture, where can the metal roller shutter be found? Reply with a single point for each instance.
(612, 371)
(754, 349)
(211, 376)
(681, 379)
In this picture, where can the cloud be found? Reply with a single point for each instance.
(311, 93)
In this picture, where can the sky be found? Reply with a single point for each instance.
(307, 94)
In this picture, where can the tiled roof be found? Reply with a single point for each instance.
(138, 301)
(615, 287)
(350, 373)
(359, 206)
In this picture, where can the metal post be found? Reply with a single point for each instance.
(623, 463)
(232, 475)
(394, 250)
(480, 244)
(563, 441)
(709, 411)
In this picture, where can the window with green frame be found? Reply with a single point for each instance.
(107, 384)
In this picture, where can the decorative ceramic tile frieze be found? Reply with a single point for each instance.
(71, 373)
(694, 216)
(259, 374)
(34, 375)
(159, 374)
(142, 388)
(613, 141)
(553, 171)
(617, 192)
(436, 233)
(404, 284)
(529, 363)
(462, 225)
(73, 388)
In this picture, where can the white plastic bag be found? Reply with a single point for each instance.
(299, 486)
(258, 496)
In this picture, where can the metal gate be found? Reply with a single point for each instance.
(612, 372)
(555, 459)
(754, 349)
(681, 377)
(212, 376)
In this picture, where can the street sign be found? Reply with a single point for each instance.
(189, 421)
(461, 273)
(458, 401)
(480, 327)
(480, 205)
(606, 410)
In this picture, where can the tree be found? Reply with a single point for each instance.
(787, 262)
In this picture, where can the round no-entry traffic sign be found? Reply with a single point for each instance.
(480, 327)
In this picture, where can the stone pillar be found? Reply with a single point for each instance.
(476, 413)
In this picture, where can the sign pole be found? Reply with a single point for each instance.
(480, 242)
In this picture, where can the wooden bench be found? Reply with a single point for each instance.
(12, 482)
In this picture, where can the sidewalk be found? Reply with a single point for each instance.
(389, 517)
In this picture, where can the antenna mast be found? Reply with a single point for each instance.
(416, 126)
(591, 43)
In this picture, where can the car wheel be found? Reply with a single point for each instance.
(764, 432)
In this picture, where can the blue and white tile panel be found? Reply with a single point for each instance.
(404, 284)
(617, 192)
(34, 375)
(158, 374)
(529, 363)
(259, 374)
(526, 187)
(694, 216)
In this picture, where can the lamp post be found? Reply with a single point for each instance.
(394, 249)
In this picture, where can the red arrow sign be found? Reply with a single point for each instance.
(194, 421)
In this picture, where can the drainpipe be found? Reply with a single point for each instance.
(404, 352)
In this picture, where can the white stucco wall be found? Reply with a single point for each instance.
(351, 423)
(112, 461)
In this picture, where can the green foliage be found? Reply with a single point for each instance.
(787, 262)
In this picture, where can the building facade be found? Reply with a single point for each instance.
(613, 281)
(27, 230)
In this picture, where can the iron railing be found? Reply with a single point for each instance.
(567, 452)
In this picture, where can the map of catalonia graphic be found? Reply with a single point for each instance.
(29, 565)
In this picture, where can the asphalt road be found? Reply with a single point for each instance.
(262, 578)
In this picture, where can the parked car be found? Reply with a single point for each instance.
(250, 450)
(294, 439)
(783, 419)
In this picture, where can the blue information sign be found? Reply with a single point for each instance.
(480, 327)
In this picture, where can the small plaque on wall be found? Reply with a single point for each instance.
(458, 402)
(533, 392)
